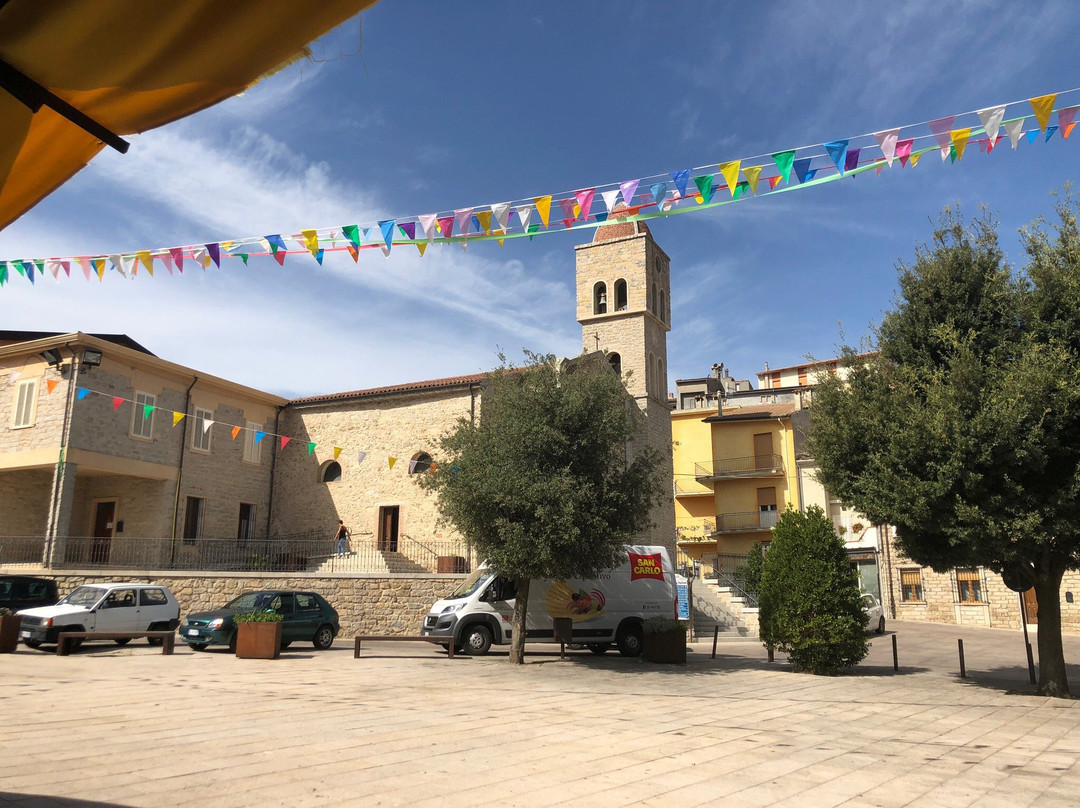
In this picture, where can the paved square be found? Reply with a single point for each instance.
(405, 726)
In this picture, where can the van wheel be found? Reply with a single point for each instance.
(324, 637)
(477, 640)
(122, 641)
(599, 647)
(630, 640)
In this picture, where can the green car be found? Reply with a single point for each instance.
(307, 616)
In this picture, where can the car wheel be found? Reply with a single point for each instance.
(477, 640)
(232, 643)
(324, 637)
(75, 644)
(285, 644)
(32, 643)
(122, 641)
(630, 640)
(881, 625)
(156, 627)
(198, 646)
(599, 647)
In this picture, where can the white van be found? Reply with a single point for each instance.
(610, 609)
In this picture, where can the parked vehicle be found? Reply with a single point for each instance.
(874, 613)
(609, 609)
(26, 592)
(307, 617)
(103, 607)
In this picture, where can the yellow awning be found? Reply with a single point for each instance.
(129, 66)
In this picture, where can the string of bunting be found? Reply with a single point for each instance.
(207, 423)
(681, 191)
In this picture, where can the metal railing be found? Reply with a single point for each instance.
(746, 521)
(683, 487)
(725, 570)
(303, 552)
(688, 530)
(753, 466)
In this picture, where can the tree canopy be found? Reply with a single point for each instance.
(963, 428)
(545, 484)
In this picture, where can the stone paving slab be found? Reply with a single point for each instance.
(405, 726)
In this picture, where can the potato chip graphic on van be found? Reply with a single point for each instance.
(562, 601)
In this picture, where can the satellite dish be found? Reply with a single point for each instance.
(1015, 579)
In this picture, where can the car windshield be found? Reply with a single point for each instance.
(85, 596)
(251, 601)
(475, 581)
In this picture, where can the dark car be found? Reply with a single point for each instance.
(307, 616)
(25, 592)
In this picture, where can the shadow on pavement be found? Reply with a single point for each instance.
(44, 801)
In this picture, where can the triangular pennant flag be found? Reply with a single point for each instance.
(959, 141)
(811, 174)
(483, 217)
(446, 225)
(1032, 135)
(427, 224)
(81, 393)
(360, 457)
(705, 187)
(941, 127)
(146, 260)
(86, 267)
(628, 189)
(236, 431)
(877, 170)
(147, 411)
(116, 402)
(659, 191)
(412, 467)
(4, 273)
(318, 256)
(67, 265)
(903, 150)
(387, 228)
(532, 230)
(752, 173)
(774, 181)
(214, 250)
(352, 233)
(681, 179)
(851, 161)
(609, 198)
(501, 212)
(784, 161)
(276, 243)
(837, 150)
(13, 375)
(127, 266)
(206, 424)
(311, 240)
(801, 167)
(887, 143)
(408, 229)
(740, 190)
(498, 232)
(284, 441)
(354, 251)
(1050, 132)
(51, 385)
(392, 460)
(991, 118)
(915, 157)
(54, 268)
(1043, 106)
(422, 247)
(585, 199)
(177, 255)
(337, 452)
(476, 223)
(1015, 130)
(568, 205)
(524, 213)
(310, 448)
(177, 417)
(99, 267)
(543, 207)
(1066, 120)
(259, 435)
(730, 172)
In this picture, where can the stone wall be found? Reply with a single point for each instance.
(368, 604)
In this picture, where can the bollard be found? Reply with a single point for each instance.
(963, 670)
(715, 636)
(1031, 664)
(895, 659)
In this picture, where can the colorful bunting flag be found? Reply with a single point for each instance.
(387, 228)
(310, 448)
(752, 174)
(116, 402)
(628, 189)
(51, 385)
(392, 461)
(681, 179)
(730, 173)
(177, 417)
(585, 200)
(1015, 130)
(1042, 107)
(784, 161)
(284, 441)
(991, 118)
(801, 168)
(941, 127)
(959, 139)
(543, 207)
(360, 457)
(337, 452)
(705, 188)
(1067, 120)
(235, 431)
(837, 150)
(903, 150)
(851, 161)
(887, 143)
(81, 393)
(445, 225)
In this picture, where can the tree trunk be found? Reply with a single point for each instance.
(1052, 675)
(521, 604)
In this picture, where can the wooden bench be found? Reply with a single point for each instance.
(64, 638)
(448, 641)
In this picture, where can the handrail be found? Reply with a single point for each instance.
(743, 466)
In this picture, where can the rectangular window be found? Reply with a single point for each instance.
(200, 433)
(776, 379)
(245, 530)
(911, 590)
(152, 597)
(803, 379)
(252, 448)
(25, 404)
(193, 519)
(142, 415)
(968, 586)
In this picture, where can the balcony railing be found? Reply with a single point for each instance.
(686, 487)
(766, 465)
(745, 522)
(696, 529)
(307, 552)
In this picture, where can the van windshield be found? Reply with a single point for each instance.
(476, 580)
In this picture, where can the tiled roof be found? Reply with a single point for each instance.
(753, 412)
(397, 389)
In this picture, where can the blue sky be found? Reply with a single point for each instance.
(425, 106)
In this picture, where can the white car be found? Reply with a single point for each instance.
(874, 613)
(103, 607)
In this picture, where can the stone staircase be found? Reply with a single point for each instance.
(718, 606)
(381, 562)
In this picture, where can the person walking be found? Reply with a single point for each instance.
(342, 537)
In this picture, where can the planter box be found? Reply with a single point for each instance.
(668, 647)
(9, 633)
(258, 640)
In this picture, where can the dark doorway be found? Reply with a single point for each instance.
(245, 530)
(388, 527)
(104, 522)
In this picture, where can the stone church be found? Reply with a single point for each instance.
(110, 452)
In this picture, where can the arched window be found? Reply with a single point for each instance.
(600, 298)
(616, 363)
(620, 295)
(663, 307)
(653, 301)
(420, 463)
(331, 472)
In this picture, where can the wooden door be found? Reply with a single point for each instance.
(763, 452)
(1031, 607)
(388, 528)
(104, 522)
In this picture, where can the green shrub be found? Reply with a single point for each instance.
(749, 574)
(662, 625)
(809, 598)
(258, 616)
